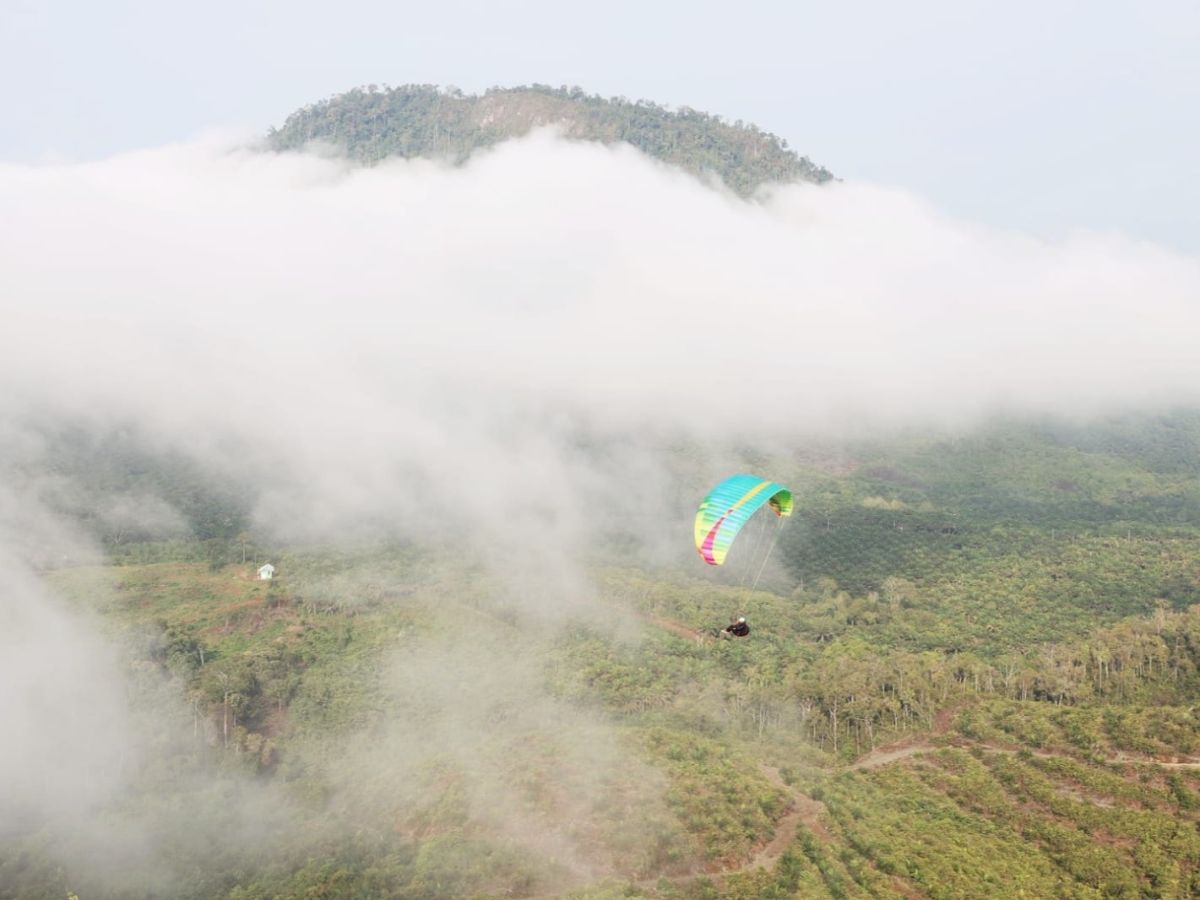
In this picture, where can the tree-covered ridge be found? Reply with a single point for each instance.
(425, 121)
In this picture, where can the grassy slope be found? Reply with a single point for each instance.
(1010, 543)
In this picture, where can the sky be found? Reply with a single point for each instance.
(1045, 117)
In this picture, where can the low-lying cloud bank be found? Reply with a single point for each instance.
(416, 334)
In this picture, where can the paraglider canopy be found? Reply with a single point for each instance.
(729, 506)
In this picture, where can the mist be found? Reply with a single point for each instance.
(495, 355)
(384, 339)
(376, 343)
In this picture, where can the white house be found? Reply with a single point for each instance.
(266, 572)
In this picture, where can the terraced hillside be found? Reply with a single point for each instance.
(959, 682)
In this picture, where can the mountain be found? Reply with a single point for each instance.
(427, 121)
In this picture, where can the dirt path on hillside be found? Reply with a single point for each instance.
(803, 810)
(909, 746)
(915, 746)
(807, 811)
(813, 814)
(890, 754)
(1122, 757)
(678, 628)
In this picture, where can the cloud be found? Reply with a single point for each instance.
(64, 718)
(373, 344)
(586, 277)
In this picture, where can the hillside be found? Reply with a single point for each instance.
(425, 121)
(958, 679)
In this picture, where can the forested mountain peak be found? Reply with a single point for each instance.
(374, 122)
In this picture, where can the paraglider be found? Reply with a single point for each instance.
(729, 506)
(722, 515)
(738, 628)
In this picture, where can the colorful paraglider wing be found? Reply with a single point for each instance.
(729, 506)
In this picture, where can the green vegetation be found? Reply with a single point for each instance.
(424, 121)
(972, 674)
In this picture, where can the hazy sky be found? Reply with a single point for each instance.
(1046, 116)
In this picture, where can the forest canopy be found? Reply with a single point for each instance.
(370, 124)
